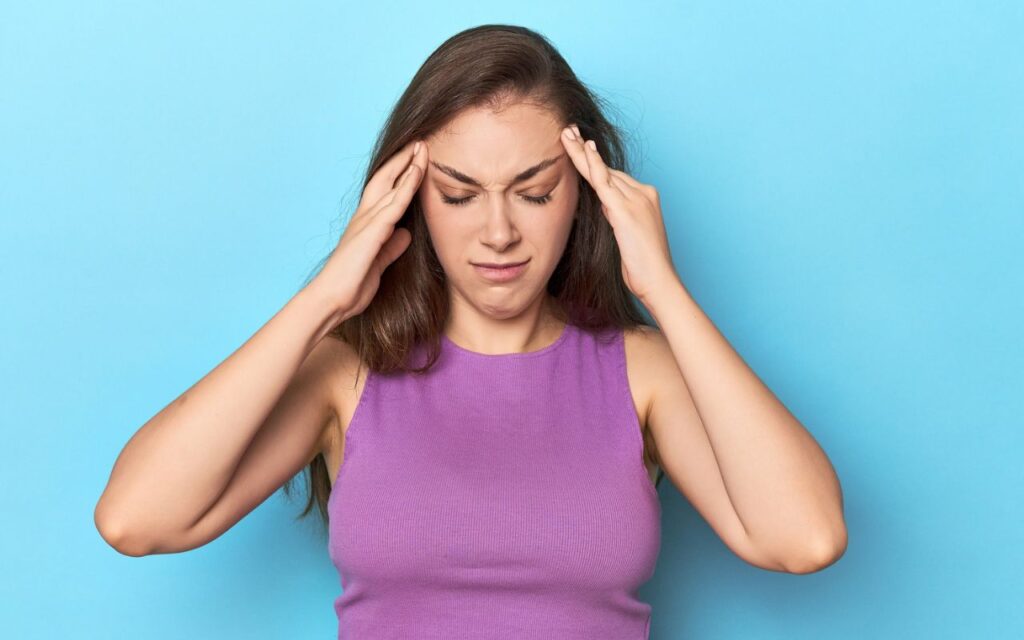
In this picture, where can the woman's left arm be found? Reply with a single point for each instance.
(780, 483)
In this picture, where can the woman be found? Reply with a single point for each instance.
(469, 372)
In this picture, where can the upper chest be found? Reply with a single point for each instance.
(347, 388)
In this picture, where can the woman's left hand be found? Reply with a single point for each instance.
(634, 212)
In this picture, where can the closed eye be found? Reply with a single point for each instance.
(544, 199)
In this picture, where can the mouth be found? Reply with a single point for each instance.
(500, 271)
(499, 265)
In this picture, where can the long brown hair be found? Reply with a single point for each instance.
(492, 66)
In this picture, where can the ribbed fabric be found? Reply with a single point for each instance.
(497, 496)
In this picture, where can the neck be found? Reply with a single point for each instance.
(535, 328)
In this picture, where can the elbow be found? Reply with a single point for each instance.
(122, 542)
(820, 554)
(118, 537)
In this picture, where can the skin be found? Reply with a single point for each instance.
(499, 224)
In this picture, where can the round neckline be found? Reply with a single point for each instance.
(511, 356)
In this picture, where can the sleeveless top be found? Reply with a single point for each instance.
(497, 496)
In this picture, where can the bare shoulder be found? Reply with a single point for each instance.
(647, 353)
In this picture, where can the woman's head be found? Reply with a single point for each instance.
(490, 102)
(499, 189)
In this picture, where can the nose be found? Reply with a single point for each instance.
(499, 231)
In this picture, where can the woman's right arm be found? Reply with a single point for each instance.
(233, 438)
(177, 466)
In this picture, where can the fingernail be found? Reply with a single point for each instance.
(592, 144)
(577, 130)
(416, 148)
(567, 132)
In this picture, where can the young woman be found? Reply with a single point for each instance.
(482, 407)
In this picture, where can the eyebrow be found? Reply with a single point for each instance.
(520, 177)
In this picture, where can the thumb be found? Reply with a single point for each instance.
(399, 241)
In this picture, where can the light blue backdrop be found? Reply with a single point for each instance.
(844, 190)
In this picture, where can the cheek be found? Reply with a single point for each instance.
(447, 235)
(561, 218)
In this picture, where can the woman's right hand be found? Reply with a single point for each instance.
(371, 241)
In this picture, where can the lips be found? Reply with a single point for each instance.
(500, 271)
(500, 265)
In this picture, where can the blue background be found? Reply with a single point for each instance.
(843, 185)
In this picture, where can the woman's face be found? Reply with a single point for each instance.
(478, 212)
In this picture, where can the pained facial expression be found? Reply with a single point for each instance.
(477, 212)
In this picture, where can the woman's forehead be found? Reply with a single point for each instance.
(507, 173)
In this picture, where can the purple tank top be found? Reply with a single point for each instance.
(497, 496)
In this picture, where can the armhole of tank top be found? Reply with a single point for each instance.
(353, 425)
(634, 419)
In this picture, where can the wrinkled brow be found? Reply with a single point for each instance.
(520, 177)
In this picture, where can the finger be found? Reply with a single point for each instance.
(394, 247)
(601, 176)
(627, 189)
(394, 203)
(577, 150)
(627, 179)
(574, 148)
(384, 178)
(637, 188)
